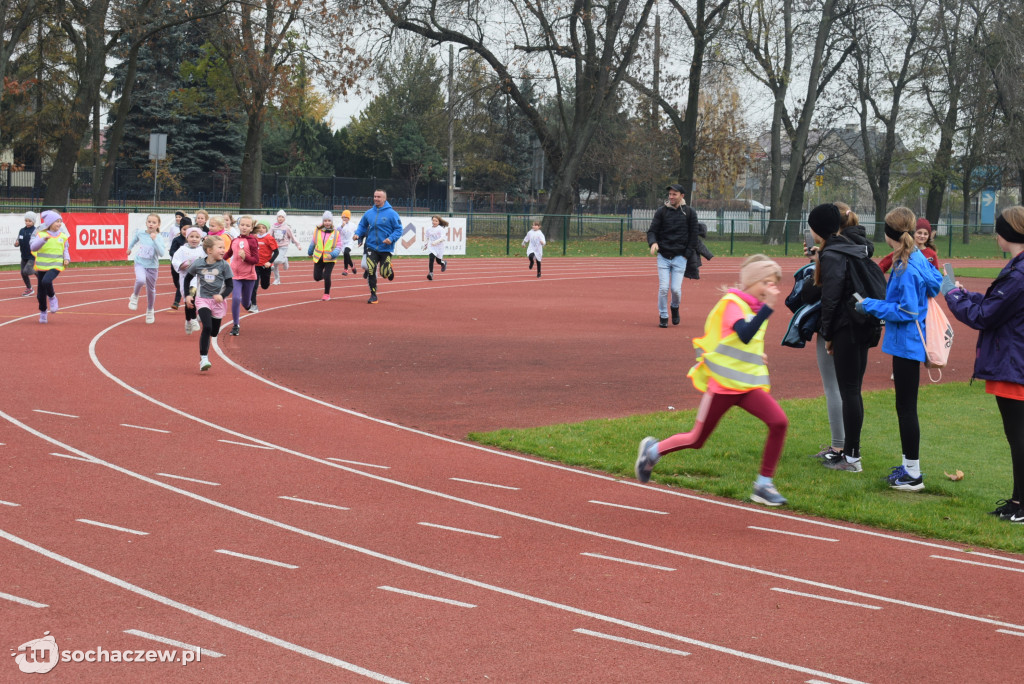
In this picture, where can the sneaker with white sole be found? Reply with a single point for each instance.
(767, 495)
(188, 327)
(899, 478)
(204, 364)
(827, 452)
(646, 457)
(1017, 517)
(196, 325)
(150, 316)
(254, 308)
(27, 292)
(42, 317)
(839, 462)
(235, 330)
(133, 302)
(277, 281)
(53, 304)
(1004, 509)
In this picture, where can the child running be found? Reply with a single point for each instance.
(182, 223)
(24, 242)
(147, 264)
(268, 252)
(215, 284)
(435, 241)
(347, 230)
(732, 371)
(325, 248)
(284, 237)
(536, 240)
(189, 253)
(215, 226)
(243, 256)
(50, 246)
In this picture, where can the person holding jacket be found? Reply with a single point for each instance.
(999, 316)
(673, 238)
(380, 227)
(904, 310)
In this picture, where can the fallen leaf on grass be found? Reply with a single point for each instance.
(958, 475)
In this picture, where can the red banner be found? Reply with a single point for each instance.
(97, 237)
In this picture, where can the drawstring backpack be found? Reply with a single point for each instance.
(939, 339)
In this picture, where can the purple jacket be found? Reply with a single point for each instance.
(999, 315)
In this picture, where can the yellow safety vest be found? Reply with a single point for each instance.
(731, 363)
(325, 243)
(51, 255)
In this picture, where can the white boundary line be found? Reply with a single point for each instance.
(252, 446)
(140, 427)
(485, 484)
(1006, 631)
(258, 559)
(111, 527)
(313, 503)
(453, 602)
(172, 642)
(984, 565)
(359, 463)
(73, 458)
(628, 508)
(457, 529)
(631, 642)
(189, 479)
(22, 601)
(629, 562)
(792, 534)
(54, 413)
(826, 598)
(8, 503)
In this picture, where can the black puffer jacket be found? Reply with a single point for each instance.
(675, 231)
(836, 287)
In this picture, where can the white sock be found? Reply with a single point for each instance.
(913, 467)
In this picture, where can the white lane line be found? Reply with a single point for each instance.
(172, 642)
(984, 565)
(359, 463)
(631, 642)
(196, 612)
(793, 534)
(428, 597)
(629, 508)
(989, 555)
(140, 427)
(826, 598)
(111, 527)
(22, 601)
(245, 444)
(630, 562)
(189, 479)
(456, 529)
(1006, 631)
(258, 559)
(8, 503)
(313, 503)
(73, 458)
(54, 413)
(485, 484)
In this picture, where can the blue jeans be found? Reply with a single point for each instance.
(670, 273)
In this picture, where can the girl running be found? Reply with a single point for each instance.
(284, 237)
(50, 246)
(535, 238)
(347, 230)
(268, 252)
(243, 256)
(325, 248)
(214, 277)
(434, 242)
(189, 253)
(147, 264)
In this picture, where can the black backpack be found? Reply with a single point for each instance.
(867, 280)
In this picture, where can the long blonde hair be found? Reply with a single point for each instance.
(902, 220)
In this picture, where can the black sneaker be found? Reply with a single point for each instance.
(1008, 510)
(444, 266)
(430, 276)
(662, 322)
(646, 457)
(235, 330)
(372, 299)
(675, 315)
(1003, 507)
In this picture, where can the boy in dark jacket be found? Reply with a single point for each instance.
(673, 238)
(24, 241)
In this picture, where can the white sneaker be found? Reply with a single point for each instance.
(254, 309)
(188, 327)
(277, 281)
(133, 302)
(196, 325)
(150, 316)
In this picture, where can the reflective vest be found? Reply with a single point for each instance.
(51, 255)
(325, 244)
(731, 363)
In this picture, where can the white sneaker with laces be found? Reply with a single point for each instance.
(133, 302)
(150, 316)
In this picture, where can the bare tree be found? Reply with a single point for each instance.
(1003, 46)
(15, 18)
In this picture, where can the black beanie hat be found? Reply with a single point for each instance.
(824, 219)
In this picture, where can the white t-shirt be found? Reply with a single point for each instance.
(435, 237)
(536, 240)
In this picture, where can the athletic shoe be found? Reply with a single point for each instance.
(827, 452)
(662, 322)
(430, 276)
(175, 305)
(646, 457)
(188, 327)
(53, 304)
(444, 266)
(391, 274)
(27, 292)
(277, 281)
(1017, 517)
(675, 318)
(254, 308)
(344, 273)
(42, 317)
(133, 302)
(235, 330)
(325, 298)
(204, 364)
(767, 495)
(839, 462)
(196, 325)
(538, 274)
(1004, 509)
(372, 299)
(150, 316)
(900, 479)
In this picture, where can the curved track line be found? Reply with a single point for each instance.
(196, 612)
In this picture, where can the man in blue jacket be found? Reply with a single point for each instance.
(380, 227)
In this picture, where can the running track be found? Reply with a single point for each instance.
(307, 510)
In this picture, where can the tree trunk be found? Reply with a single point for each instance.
(688, 131)
(943, 160)
(251, 177)
(115, 135)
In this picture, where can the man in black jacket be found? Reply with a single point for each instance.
(673, 237)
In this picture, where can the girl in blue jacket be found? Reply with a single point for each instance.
(904, 310)
(999, 315)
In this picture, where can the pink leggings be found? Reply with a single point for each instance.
(757, 403)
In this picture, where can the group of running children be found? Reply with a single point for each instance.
(732, 369)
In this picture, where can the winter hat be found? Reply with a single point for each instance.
(824, 219)
(30, 216)
(193, 229)
(281, 214)
(346, 214)
(923, 223)
(185, 221)
(758, 267)
(328, 216)
(49, 218)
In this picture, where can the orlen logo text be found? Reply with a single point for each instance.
(100, 237)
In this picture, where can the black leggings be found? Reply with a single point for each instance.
(906, 376)
(211, 326)
(377, 261)
(347, 254)
(1012, 412)
(432, 259)
(176, 279)
(263, 277)
(27, 268)
(851, 360)
(322, 271)
(44, 286)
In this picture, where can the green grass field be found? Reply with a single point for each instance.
(960, 427)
